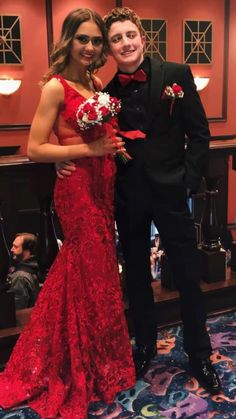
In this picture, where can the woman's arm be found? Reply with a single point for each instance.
(39, 148)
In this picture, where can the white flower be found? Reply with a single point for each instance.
(96, 110)
(104, 99)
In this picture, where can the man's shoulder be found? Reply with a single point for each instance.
(171, 70)
(111, 85)
(170, 65)
(21, 275)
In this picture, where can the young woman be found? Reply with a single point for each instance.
(76, 347)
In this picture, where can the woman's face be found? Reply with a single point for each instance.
(87, 44)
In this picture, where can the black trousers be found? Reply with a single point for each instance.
(166, 206)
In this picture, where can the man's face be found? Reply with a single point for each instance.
(126, 45)
(16, 250)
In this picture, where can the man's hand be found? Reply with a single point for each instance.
(65, 168)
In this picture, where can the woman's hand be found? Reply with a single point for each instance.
(106, 145)
(102, 146)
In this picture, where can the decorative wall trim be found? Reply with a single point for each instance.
(15, 127)
(197, 41)
(156, 44)
(223, 137)
(49, 24)
(10, 40)
(223, 116)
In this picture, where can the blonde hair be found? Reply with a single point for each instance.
(120, 14)
(60, 55)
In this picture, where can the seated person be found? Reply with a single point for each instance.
(155, 260)
(23, 277)
(155, 256)
(156, 241)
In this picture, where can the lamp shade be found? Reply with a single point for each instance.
(9, 86)
(201, 82)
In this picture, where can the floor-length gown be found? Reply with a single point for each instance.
(75, 348)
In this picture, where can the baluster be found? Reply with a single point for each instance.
(210, 226)
(233, 256)
(213, 256)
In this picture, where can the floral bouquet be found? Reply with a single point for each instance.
(101, 109)
(173, 92)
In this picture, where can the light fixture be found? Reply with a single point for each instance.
(8, 85)
(201, 82)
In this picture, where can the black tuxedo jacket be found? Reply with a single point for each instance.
(176, 147)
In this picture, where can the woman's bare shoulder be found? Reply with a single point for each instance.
(53, 90)
(53, 85)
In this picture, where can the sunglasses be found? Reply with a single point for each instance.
(95, 40)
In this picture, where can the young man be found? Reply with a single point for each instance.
(160, 108)
(155, 184)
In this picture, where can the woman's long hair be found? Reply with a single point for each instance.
(61, 52)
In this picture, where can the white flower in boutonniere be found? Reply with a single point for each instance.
(173, 92)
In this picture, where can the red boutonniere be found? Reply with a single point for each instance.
(173, 92)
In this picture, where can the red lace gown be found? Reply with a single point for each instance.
(75, 348)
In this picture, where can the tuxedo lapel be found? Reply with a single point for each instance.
(155, 88)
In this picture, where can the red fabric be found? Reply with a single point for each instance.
(76, 347)
(125, 79)
(133, 135)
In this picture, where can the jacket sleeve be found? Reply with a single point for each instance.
(197, 133)
(21, 291)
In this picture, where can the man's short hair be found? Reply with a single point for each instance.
(29, 242)
(120, 14)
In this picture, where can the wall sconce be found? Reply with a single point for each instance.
(9, 86)
(201, 82)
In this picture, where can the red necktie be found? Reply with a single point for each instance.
(139, 75)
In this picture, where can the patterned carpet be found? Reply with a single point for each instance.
(168, 391)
